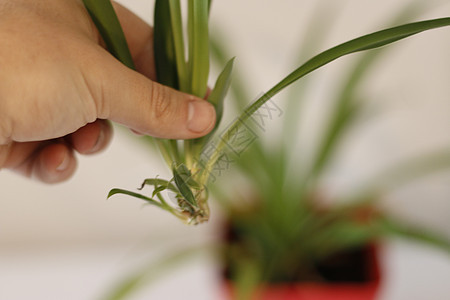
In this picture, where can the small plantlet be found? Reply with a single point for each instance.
(191, 168)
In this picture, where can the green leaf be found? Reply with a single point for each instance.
(186, 174)
(209, 5)
(317, 31)
(347, 234)
(163, 45)
(397, 229)
(220, 90)
(346, 109)
(160, 185)
(105, 19)
(219, 52)
(198, 32)
(158, 189)
(178, 41)
(157, 182)
(181, 176)
(217, 97)
(246, 278)
(401, 174)
(153, 271)
(169, 150)
(343, 116)
(133, 194)
(366, 42)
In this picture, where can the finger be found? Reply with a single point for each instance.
(139, 37)
(18, 154)
(54, 163)
(49, 162)
(129, 98)
(92, 138)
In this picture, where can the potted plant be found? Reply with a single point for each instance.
(283, 242)
(284, 218)
(285, 236)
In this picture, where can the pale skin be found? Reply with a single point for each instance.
(59, 87)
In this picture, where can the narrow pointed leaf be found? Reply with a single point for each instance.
(220, 89)
(190, 30)
(158, 189)
(397, 229)
(366, 42)
(198, 46)
(183, 186)
(217, 97)
(317, 31)
(402, 174)
(346, 109)
(344, 234)
(220, 53)
(186, 174)
(153, 271)
(133, 194)
(178, 41)
(159, 182)
(343, 117)
(163, 45)
(209, 5)
(107, 23)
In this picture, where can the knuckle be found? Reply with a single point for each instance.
(102, 109)
(161, 106)
(92, 91)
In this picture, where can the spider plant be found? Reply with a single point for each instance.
(282, 231)
(192, 161)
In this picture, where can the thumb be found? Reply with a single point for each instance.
(131, 99)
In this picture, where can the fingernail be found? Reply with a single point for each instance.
(64, 163)
(99, 142)
(201, 116)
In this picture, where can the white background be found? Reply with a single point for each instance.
(67, 242)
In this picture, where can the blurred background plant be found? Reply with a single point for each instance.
(283, 223)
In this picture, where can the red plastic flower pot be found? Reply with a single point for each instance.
(365, 290)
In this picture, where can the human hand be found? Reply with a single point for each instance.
(58, 86)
